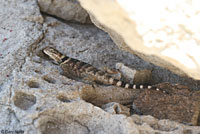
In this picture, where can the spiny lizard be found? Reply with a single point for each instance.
(85, 72)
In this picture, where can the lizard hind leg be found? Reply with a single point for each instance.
(112, 72)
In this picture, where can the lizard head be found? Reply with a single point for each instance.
(53, 54)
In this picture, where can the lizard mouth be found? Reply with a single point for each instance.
(53, 54)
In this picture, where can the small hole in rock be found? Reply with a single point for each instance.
(23, 100)
(38, 71)
(60, 125)
(52, 127)
(33, 84)
(63, 98)
(157, 133)
(49, 79)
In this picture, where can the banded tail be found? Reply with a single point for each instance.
(81, 66)
(123, 84)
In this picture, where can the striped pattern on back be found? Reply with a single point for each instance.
(80, 68)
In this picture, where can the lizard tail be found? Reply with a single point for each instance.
(123, 84)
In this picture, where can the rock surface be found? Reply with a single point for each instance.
(69, 10)
(150, 125)
(116, 108)
(159, 32)
(177, 104)
(36, 98)
(135, 76)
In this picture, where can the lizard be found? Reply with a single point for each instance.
(76, 69)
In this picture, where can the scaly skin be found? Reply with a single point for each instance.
(85, 72)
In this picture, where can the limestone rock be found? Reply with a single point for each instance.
(82, 118)
(177, 104)
(69, 10)
(36, 98)
(159, 32)
(116, 108)
(149, 124)
(134, 75)
(21, 28)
